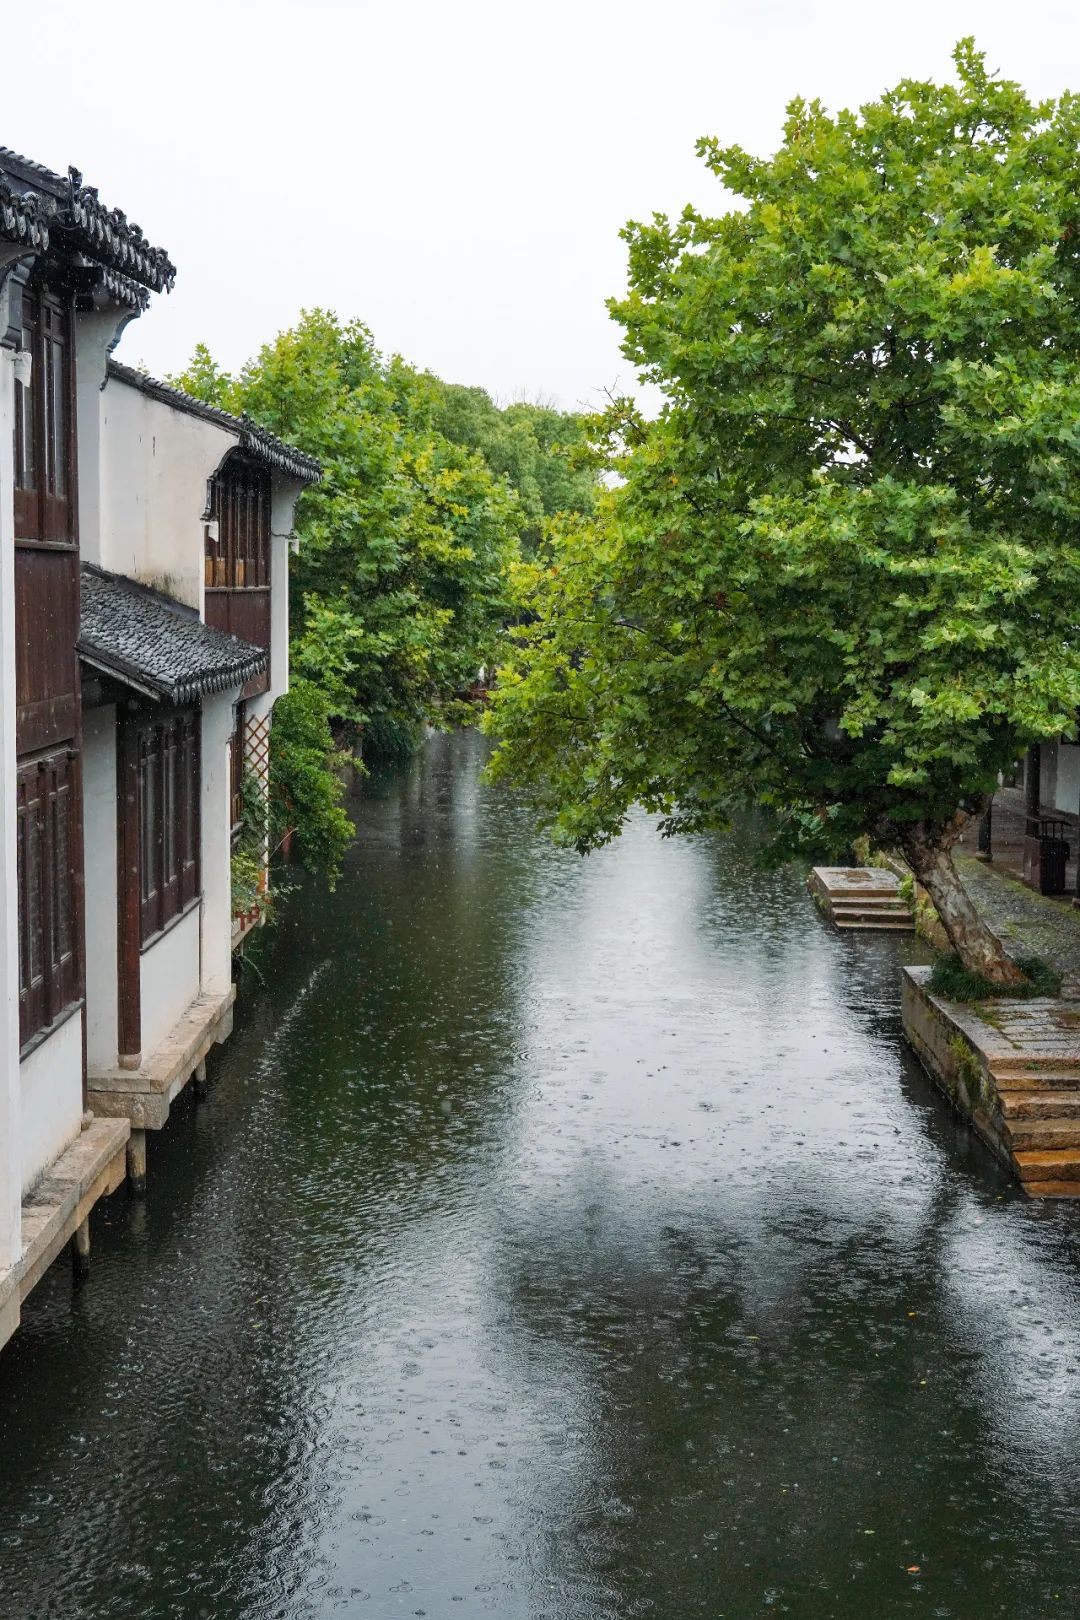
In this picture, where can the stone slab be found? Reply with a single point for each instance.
(91, 1167)
(144, 1095)
(1048, 1164)
(857, 880)
(1063, 1104)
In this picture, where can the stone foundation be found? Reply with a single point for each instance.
(145, 1095)
(58, 1207)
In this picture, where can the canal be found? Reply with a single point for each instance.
(562, 1240)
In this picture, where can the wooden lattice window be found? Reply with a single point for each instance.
(169, 788)
(238, 534)
(44, 423)
(50, 975)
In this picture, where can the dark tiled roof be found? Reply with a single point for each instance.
(257, 441)
(148, 640)
(45, 209)
(30, 169)
(23, 218)
(108, 236)
(122, 290)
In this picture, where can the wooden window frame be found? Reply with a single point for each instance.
(169, 776)
(45, 428)
(50, 900)
(237, 537)
(236, 768)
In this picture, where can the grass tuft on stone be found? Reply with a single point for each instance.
(955, 982)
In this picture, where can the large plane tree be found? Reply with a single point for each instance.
(838, 575)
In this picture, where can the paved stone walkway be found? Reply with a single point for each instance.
(1042, 1028)
(1028, 923)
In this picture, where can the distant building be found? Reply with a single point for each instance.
(143, 641)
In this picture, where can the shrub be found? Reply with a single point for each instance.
(305, 789)
(956, 983)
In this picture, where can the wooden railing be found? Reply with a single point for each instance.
(244, 613)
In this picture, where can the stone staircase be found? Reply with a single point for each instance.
(1040, 1122)
(861, 897)
(1012, 1068)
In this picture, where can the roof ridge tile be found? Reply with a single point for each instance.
(257, 440)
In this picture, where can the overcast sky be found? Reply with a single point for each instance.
(453, 172)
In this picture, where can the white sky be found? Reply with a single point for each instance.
(453, 172)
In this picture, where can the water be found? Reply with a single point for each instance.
(562, 1239)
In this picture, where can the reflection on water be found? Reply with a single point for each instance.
(563, 1239)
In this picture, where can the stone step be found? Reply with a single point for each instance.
(1040, 1074)
(1048, 1164)
(863, 896)
(1040, 1104)
(1055, 1132)
(1052, 1189)
(885, 908)
(866, 915)
(879, 925)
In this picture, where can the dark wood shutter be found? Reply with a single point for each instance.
(26, 432)
(46, 529)
(50, 976)
(188, 808)
(237, 565)
(169, 790)
(150, 830)
(44, 424)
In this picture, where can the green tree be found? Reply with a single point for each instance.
(535, 447)
(841, 577)
(399, 591)
(305, 790)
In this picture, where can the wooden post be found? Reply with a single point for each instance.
(1032, 803)
(128, 895)
(201, 1087)
(136, 1163)
(80, 1250)
(1032, 789)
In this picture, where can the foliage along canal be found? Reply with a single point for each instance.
(561, 1239)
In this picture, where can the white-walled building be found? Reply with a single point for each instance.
(143, 641)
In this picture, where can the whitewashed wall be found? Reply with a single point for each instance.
(1059, 777)
(155, 464)
(286, 493)
(284, 496)
(169, 979)
(99, 837)
(50, 1083)
(95, 332)
(216, 852)
(1067, 795)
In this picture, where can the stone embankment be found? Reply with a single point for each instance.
(1013, 1068)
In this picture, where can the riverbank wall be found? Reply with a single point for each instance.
(1012, 1069)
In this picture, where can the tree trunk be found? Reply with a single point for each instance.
(929, 852)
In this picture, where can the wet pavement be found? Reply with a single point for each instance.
(562, 1240)
(1029, 923)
